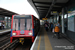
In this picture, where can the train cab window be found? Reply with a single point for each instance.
(29, 24)
(15, 24)
(22, 24)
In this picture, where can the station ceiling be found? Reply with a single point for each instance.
(45, 7)
(5, 12)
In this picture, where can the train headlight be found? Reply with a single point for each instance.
(30, 33)
(14, 34)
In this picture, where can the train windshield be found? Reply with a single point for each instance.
(22, 23)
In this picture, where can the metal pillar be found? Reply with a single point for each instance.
(51, 6)
(53, 20)
(7, 22)
(62, 20)
(67, 18)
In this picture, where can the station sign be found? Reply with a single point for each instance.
(44, 18)
(54, 12)
(69, 11)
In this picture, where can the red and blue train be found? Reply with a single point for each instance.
(24, 27)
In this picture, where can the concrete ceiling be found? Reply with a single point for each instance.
(5, 12)
(45, 7)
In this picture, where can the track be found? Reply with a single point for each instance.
(15, 45)
(4, 39)
(26, 46)
(6, 45)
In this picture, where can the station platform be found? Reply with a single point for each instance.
(45, 41)
(4, 31)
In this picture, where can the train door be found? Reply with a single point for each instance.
(22, 24)
(25, 24)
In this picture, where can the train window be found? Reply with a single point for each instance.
(29, 24)
(22, 24)
(34, 23)
(15, 24)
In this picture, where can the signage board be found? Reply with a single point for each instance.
(44, 18)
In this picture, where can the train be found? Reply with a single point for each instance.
(24, 27)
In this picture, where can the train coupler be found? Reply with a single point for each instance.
(21, 40)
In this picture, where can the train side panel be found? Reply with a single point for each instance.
(36, 26)
(33, 28)
(11, 29)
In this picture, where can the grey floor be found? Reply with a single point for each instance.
(60, 44)
(57, 44)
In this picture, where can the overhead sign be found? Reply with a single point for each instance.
(54, 11)
(44, 18)
(69, 11)
(60, 13)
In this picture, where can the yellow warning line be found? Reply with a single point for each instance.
(39, 43)
(47, 42)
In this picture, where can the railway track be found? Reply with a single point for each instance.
(15, 45)
(26, 46)
(5, 42)
(8, 45)
(4, 37)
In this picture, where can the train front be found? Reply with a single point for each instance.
(21, 28)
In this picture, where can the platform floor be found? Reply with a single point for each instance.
(4, 31)
(45, 41)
